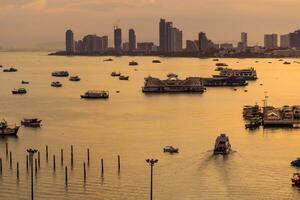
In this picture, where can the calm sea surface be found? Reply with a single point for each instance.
(137, 126)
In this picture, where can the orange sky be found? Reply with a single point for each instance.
(41, 23)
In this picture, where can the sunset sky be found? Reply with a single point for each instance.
(36, 24)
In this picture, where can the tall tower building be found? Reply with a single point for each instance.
(118, 39)
(202, 41)
(244, 40)
(132, 40)
(69, 41)
(162, 35)
(285, 41)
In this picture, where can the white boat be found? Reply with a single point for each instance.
(247, 74)
(222, 145)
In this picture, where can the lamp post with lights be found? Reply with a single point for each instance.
(151, 162)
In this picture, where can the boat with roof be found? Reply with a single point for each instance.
(115, 74)
(133, 63)
(60, 73)
(8, 130)
(246, 74)
(31, 122)
(222, 145)
(11, 69)
(19, 91)
(95, 94)
(74, 78)
(56, 84)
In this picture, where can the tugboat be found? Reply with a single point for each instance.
(19, 91)
(296, 179)
(74, 78)
(171, 149)
(10, 70)
(133, 63)
(6, 130)
(25, 82)
(108, 60)
(115, 74)
(56, 84)
(95, 94)
(126, 78)
(296, 163)
(60, 73)
(155, 61)
(33, 122)
(222, 145)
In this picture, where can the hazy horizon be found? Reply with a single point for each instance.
(41, 24)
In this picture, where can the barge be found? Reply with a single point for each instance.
(224, 81)
(246, 74)
(173, 85)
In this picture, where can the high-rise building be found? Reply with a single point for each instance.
(69, 41)
(270, 41)
(126, 46)
(226, 46)
(132, 40)
(118, 39)
(295, 39)
(285, 41)
(92, 43)
(244, 41)
(162, 36)
(191, 46)
(202, 42)
(104, 43)
(145, 46)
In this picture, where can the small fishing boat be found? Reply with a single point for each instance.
(60, 73)
(296, 179)
(95, 94)
(122, 77)
(108, 60)
(74, 78)
(115, 74)
(215, 59)
(56, 84)
(25, 82)
(19, 91)
(155, 61)
(133, 63)
(1, 66)
(221, 65)
(286, 63)
(10, 70)
(222, 145)
(296, 163)
(171, 149)
(31, 122)
(8, 130)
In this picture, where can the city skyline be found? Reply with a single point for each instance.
(43, 22)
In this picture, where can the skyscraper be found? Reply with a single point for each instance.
(202, 41)
(104, 43)
(132, 40)
(162, 36)
(69, 41)
(295, 39)
(244, 40)
(118, 39)
(285, 41)
(270, 41)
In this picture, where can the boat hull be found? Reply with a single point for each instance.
(9, 131)
(89, 97)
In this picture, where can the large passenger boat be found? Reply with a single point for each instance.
(6, 130)
(222, 145)
(95, 94)
(224, 81)
(246, 74)
(173, 84)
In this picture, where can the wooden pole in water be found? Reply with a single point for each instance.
(62, 156)
(72, 156)
(27, 162)
(1, 166)
(6, 147)
(10, 159)
(88, 156)
(66, 175)
(35, 165)
(53, 162)
(119, 164)
(102, 167)
(47, 153)
(18, 170)
(39, 159)
(84, 172)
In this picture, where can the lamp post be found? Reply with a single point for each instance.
(151, 162)
(31, 152)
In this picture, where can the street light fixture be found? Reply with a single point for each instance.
(31, 153)
(151, 162)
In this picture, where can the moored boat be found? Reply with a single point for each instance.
(222, 145)
(171, 149)
(11, 69)
(25, 82)
(286, 63)
(115, 74)
(221, 65)
(95, 94)
(19, 91)
(296, 179)
(156, 61)
(31, 122)
(133, 63)
(8, 130)
(56, 84)
(74, 78)
(296, 163)
(122, 77)
(60, 73)
(247, 74)
(108, 60)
